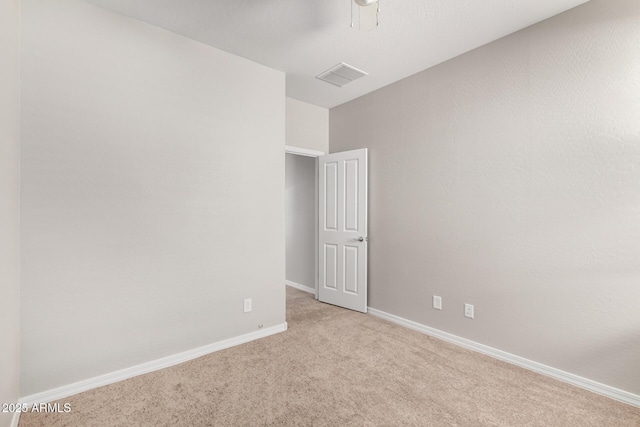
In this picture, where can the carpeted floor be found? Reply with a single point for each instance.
(335, 367)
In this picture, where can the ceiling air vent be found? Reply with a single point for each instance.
(341, 74)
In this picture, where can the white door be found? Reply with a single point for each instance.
(342, 234)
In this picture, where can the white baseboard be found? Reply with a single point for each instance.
(587, 384)
(15, 420)
(165, 362)
(300, 287)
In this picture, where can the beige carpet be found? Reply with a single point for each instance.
(335, 367)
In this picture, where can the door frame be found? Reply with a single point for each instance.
(288, 149)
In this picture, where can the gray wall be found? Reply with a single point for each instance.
(509, 178)
(152, 193)
(9, 206)
(300, 229)
(307, 125)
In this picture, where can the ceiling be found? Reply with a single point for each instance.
(306, 37)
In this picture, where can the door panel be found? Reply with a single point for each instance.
(331, 202)
(331, 266)
(351, 195)
(342, 211)
(351, 269)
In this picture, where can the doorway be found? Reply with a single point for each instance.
(340, 244)
(301, 218)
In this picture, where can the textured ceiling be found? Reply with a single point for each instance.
(304, 37)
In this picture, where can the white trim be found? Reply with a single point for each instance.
(587, 384)
(15, 420)
(165, 362)
(300, 287)
(303, 151)
(316, 222)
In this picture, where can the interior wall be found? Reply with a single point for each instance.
(508, 178)
(300, 228)
(152, 175)
(307, 125)
(9, 206)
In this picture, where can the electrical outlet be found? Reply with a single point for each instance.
(247, 305)
(437, 302)
(468, 311)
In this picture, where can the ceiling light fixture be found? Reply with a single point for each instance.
(366, 14)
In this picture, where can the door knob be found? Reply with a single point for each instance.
(360, 239)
